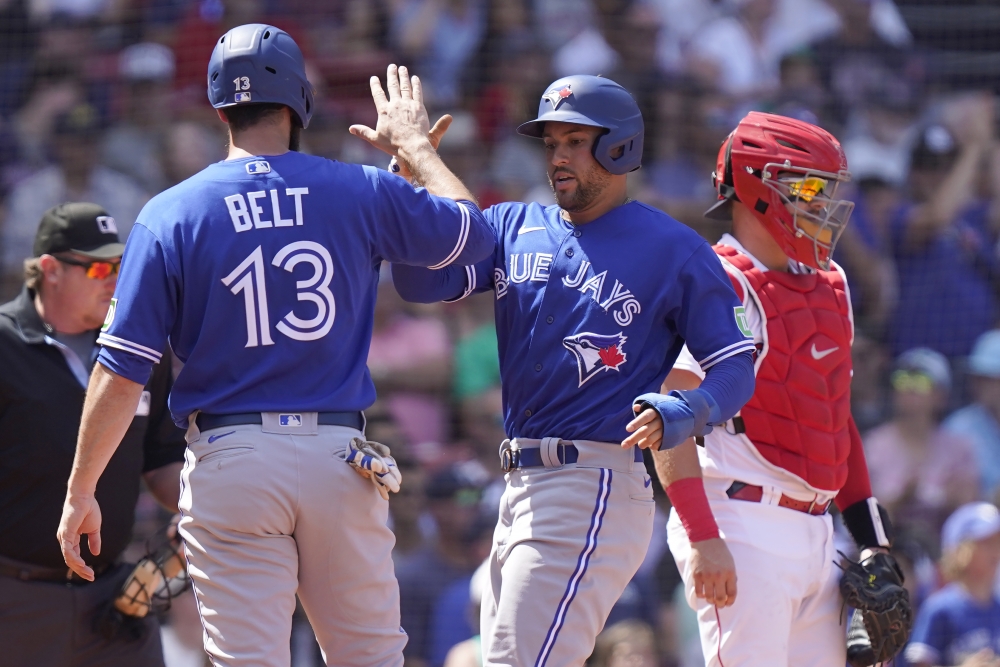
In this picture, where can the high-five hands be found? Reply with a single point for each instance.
(403, 126)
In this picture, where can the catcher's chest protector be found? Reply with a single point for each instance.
(798, 415)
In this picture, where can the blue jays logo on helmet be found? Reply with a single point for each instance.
(557, 96)
(598, 102)
(596, 352)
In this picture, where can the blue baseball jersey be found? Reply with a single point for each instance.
(262, 273)
(588, 317)
(951, 626)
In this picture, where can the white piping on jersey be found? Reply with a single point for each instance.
(847, 294)
(129, 346)
(470, 284)
(726, 352)
(463, 236)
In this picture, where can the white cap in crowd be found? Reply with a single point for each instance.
(970, 522)
(985, 358)
(146, 61)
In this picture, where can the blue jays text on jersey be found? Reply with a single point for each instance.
(262, 272)
(591, 316)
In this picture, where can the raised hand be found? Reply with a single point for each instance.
(403, 123)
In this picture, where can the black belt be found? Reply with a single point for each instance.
(207, 422)
(31, 572)
(531, 457)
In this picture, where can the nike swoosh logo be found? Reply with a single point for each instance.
(213, 438)
(648, 482)
(817, 355)
(525, 230)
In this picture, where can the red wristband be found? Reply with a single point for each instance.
(691, 504)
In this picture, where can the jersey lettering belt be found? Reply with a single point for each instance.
(755, 494)
(207, 422)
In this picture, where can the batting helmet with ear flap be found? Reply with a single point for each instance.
(786, 171)
(598, 102)
(255, 64)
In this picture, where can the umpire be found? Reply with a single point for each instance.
(47, 349)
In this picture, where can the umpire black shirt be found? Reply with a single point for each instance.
(41, 402)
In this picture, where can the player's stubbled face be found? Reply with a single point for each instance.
(575, 176)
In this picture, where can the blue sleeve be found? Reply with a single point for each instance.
(727, 386)
(418, 228)
(710, 318)
(453, 283)
(929, 639)
(143, 309)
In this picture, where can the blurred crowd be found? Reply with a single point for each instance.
(104, 101)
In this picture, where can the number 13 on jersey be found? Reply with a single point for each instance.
(249, 278)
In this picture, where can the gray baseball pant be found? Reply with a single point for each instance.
(568, 541)
(271, 511)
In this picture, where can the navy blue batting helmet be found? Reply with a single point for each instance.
(256, 64)
(599, 102)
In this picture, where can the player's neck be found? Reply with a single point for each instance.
(264, 139)
(980, 588)
(757, 240)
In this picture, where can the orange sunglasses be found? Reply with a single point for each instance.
(96, 269)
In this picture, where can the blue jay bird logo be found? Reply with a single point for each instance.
(596, 352)
(557, 97)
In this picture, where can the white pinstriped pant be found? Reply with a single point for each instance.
(567, 543)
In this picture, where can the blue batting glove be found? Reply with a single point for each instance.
(684, 414)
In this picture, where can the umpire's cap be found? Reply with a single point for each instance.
(79, 227)
(258, 63)
(598, 102)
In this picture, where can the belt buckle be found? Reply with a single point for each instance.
(508, 457)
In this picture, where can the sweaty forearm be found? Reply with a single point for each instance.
(107, 412)
(431, 172)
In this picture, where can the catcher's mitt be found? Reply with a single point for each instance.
(373, 461)
(160, 576)
(883, 618)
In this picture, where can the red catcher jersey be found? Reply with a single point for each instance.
(799, 414)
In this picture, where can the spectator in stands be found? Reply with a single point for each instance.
(453, 500)
(625, 644)
(134, 145)
(441, 37)
(740, 51)
(943, 245)
(53, 89)
(919, 471)
(980, 421)
(75, 176)
(869, 49)
(408, 507)
(190, 147)
(960, 624)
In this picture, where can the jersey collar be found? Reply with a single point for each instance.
(793, 266)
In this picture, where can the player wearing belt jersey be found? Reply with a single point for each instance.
(594, 298)
(771, 473)
(261, 272)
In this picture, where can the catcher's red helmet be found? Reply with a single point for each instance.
(786, 171)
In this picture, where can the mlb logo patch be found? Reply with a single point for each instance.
(293, 421)
(258, 167)
(107, 224)
(242, 97)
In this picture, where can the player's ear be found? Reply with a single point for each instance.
(222, 116)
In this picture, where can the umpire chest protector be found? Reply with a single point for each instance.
(798, 416)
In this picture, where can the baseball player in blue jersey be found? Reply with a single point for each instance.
(261, 272)
(594, 298)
